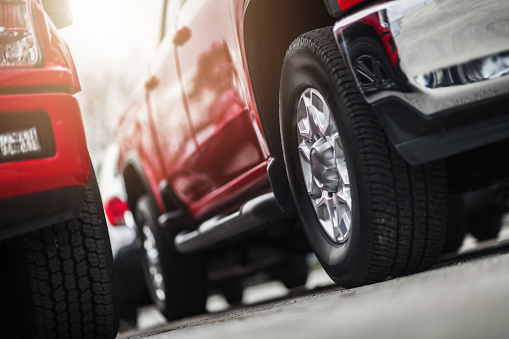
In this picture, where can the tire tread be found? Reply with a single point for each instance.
(407, 204)
(69, 270)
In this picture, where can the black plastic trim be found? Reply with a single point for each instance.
(280, 184)
(177, 216)
(263, 23)
(420, 138)
(133, 191)
(333, 8)
(23, 214)
(252, 216)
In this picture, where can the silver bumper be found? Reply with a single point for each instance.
(435, 71)
(432, 54)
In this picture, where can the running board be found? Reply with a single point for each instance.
(252, 215)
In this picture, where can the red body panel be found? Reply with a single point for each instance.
(347, 4)
(217, 97)
(254, 181)
(169, 127)
(197, 129)
(386, 37)
(70, 165)
(53, 72)
(136, 138)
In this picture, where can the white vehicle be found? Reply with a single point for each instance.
(132, 292)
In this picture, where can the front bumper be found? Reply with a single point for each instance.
(35, 189)
(417, 62)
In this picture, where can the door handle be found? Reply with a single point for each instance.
(182, 36)
(152, 82)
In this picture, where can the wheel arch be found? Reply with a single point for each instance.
(269, 27)
(135, 180)
(137, 184)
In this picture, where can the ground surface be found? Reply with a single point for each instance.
(465, 296)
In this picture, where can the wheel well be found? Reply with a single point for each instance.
(137, 185)
(269, 29)
(134, 185)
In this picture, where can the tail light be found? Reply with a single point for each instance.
(18, 45)
(114, 209)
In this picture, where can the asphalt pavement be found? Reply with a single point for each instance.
(460, 298)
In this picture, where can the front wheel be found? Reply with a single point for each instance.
(233, 291)
(293, 272)
(367, 213)
(484, 212)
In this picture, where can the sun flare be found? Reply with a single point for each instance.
(95, 14)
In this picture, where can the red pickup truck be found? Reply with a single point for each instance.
(354, 121)
(57, 277)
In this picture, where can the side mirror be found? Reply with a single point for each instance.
(59, 12)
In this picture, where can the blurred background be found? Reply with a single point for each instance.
(112, 42)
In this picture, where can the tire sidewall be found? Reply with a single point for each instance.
(303, 69)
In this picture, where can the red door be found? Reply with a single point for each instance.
(216, 90)
(170, 124)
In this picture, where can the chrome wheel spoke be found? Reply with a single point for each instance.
(327, 214)
(343, 173)
(323, 165)
(320, 115)
(304, 125)
(154, 265)
(345, 197)
(305, 150)
(344, 223)
(311, 185)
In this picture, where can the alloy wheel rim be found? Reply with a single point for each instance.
(323, 165)
(154, 263)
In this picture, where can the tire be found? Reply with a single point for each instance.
(456, 225)
(486, 225)
(233, 291)
(393, 214)
(65, 274)
(294, 272)
(131, 287)
(176, 283)
(484, 213)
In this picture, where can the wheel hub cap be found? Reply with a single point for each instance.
(323, 165)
